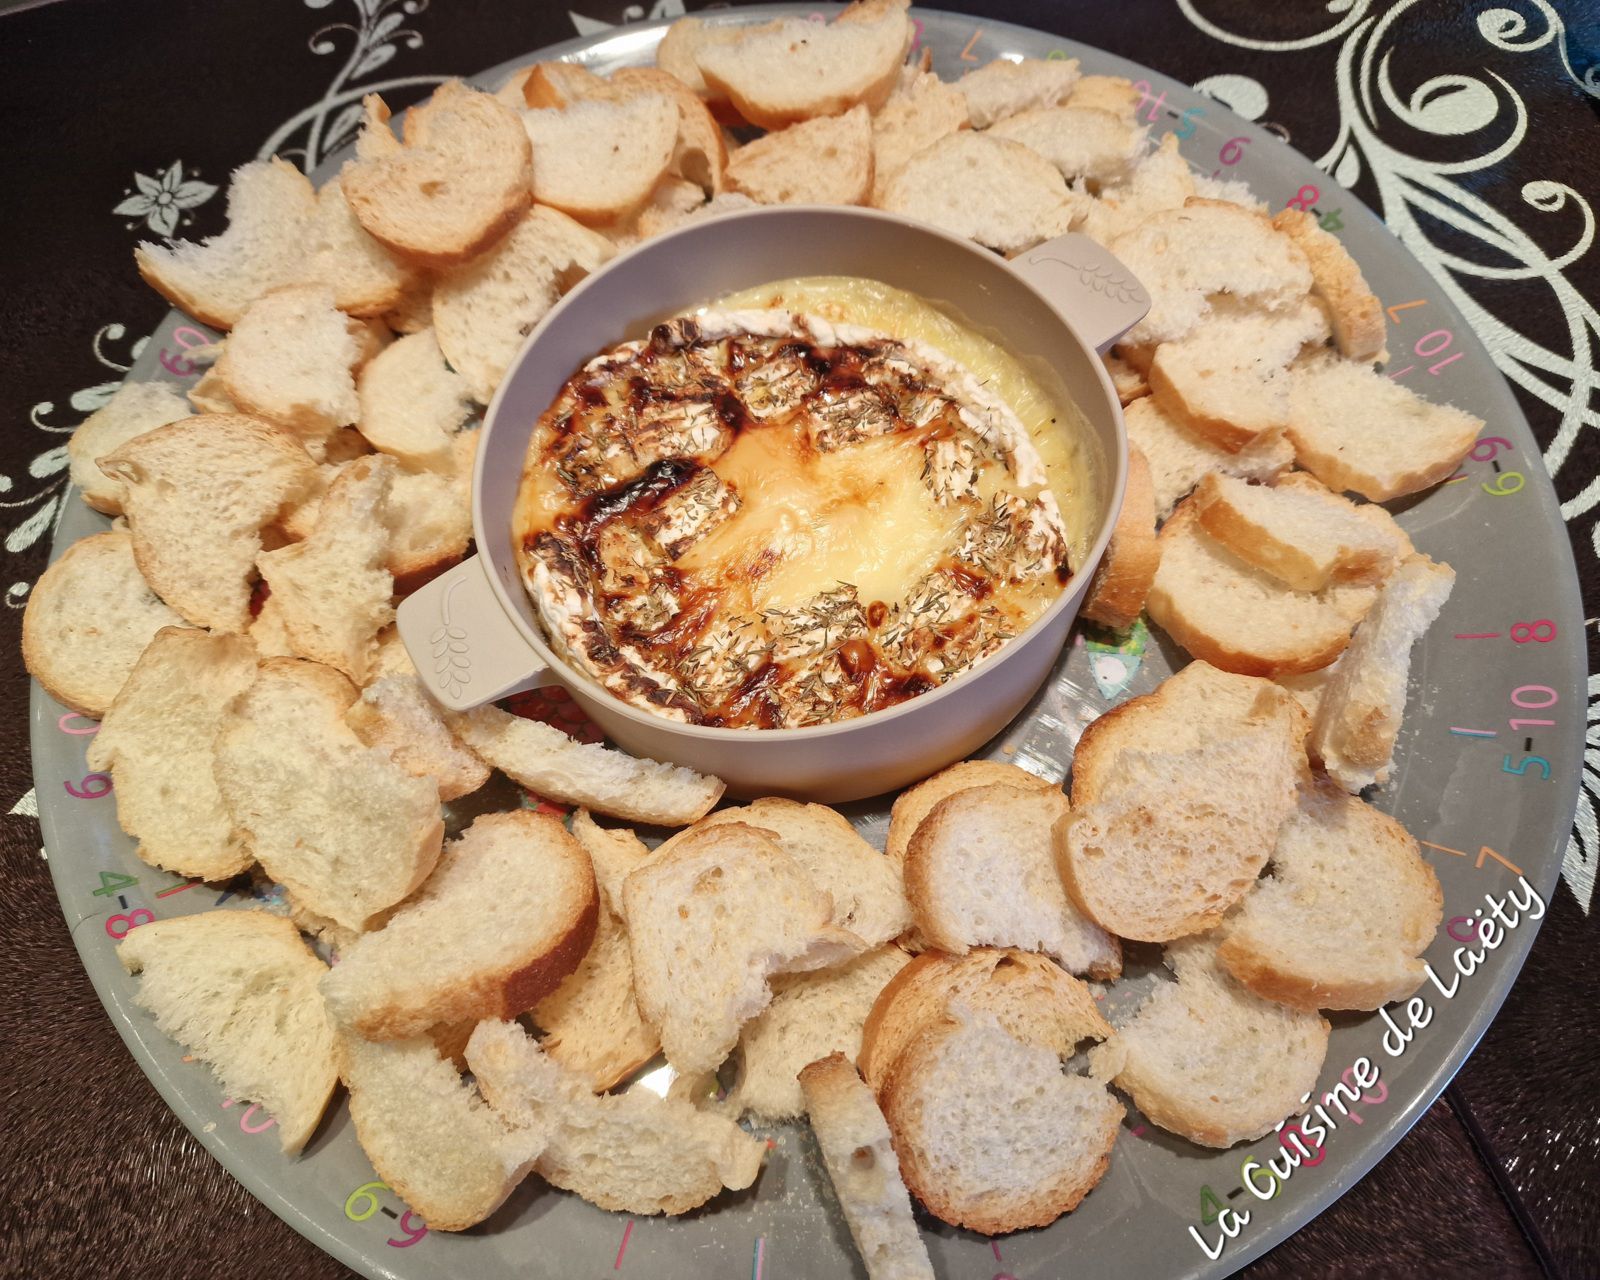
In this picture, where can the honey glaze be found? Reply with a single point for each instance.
(761, 517)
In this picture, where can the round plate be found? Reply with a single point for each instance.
(1488, 779)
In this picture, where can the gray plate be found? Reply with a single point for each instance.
(1508, 648)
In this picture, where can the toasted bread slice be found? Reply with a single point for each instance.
(88, 619)
(1240, 618)
(1160, 183)
(633, 1152)
(1082, 142)
(1343, 916)
(1355, 429)
(1359, 719)
(238, 989)
(699, 153)
(991, 190)
(366, 279)
(291, 359)
(991, 1134)
(980, 872)
(867, 889)
(1002, 89)
(208, 395)
(548, 762)
(1115, 94)
(197, 493)
(430, 1135)
(333, 590)
(1228, 381)
(271, 210)
(413, 403)
(708, 923)
(1301, 533)
(811, 1015)
(136, 407)
(672, 201)
(859, 1155)
(598, 158)
(1210, 1061)
(678, 56)
(482, 313)
(917, 114)
(395, 714)
(430, 514)
(432, 961)
(1178, 797)
(414, 312)
(462, 179)
(1186, 256)
(156, 741)
(1129, 381)
(1122, 582)
(1353, 309)
(615, 852)
(1035, 1000)
(591, 1023)
(340, 825)
(779, 73)
(823, 161)
(914, 804)
(1179, 459)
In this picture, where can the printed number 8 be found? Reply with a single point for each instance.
(130, 922)
(1541, 631)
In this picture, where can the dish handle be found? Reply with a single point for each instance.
(465, 649)
(1085, 283)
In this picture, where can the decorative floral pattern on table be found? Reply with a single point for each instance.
(162, 201)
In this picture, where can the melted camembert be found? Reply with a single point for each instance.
(776, 513)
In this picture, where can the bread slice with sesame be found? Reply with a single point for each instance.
(432, 962)
(1344, 913)
(271, 209)
(1122, 582)
(823, 161)
(197, 494)
(1004, 89)
(135, 408)
(1353, 309)
(858, 1153)
(238, 989)
(991, 1134)
(1207, 1059)
(980, 872)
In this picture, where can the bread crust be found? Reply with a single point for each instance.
(1122, 582)
(1355, 312)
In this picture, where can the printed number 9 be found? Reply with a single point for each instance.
(130, 922)
(1508, 482)
(412, 1231)
(363, 1193)
(1496, 444)
(1542, 631)
(93, 786)
(1230, 153)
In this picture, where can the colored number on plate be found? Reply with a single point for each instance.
(1210, 1206)
(1522, 767)
(176, 364)
(93, 725)
(1540, 631)
(1186, 125)
(1547, 696)
(1304, 198)
(1495, 444)
(129, 922)
(412, 1227)
(1507, 482)
(365, 1196)
(1332, 221)
(1310, 1161)
(91, 787)
(1231, 153)
(111, 884)
(916, 43)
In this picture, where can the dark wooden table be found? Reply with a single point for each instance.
(106, 103)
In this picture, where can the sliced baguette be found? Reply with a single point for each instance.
(1208, 1060)
(430, 1135)
(482, 312)
(859, 1155)
(1122, 582)
(413, 403)
(197, 494)
(1115, 94)
(918, 114)
(823, 161)
(461, 180)
(1355, 429)
(1034, 999)
(914, 804)
(430, 516)
(1082, 142)
(1129, 381)
(366, 279)
(1354, 310)
(433, 962)
(1179, 459)
(340, 825)
(238, 989)
(633, 1152)
(88, 619)
(548, 762)
(708, 923)
(991, 190)
(1359, 718)
(1002, 88)
(615, 852)
(156, 741)
(1301, 533)
(1160, 183)
(699, 154)
(395, 715)
(1344, 914)
(135, 408)
(991, 1134)
(271, 209)
(778, 73)
(597, 159)
(980, 872)
(811, 1015)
